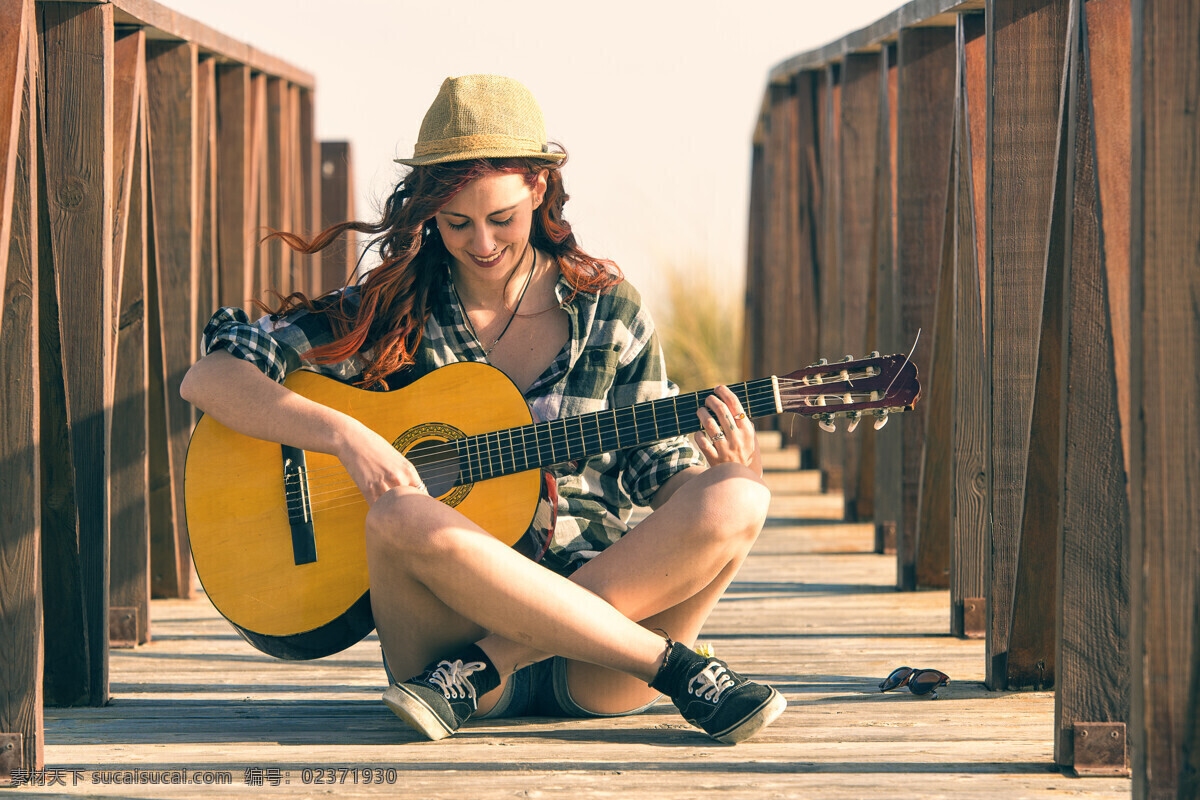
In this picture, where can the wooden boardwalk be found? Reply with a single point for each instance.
(813, 612)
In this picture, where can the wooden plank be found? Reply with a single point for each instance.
(259, 176)
(888, 503)
(803, 313)
(831, 451)
(1030, 660)
(278, 189)
(337, 263)
(1093, 582)
(130, 486)
(129, 77)
(14, 41)
(76, 97)
(935, 495)
(235, 242)
(1025, 50)
(1108, 37)
(337, 260)
(1165, 463)
(171, 80)
(859, 165)
(927, 59)
(21, 588)
(206, 191)
(308, 201)
(971, 548)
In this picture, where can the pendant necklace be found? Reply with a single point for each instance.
(487, 351)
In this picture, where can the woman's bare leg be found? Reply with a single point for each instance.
(439, 582)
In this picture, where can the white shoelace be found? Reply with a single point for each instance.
(711, 682)
(451, 678)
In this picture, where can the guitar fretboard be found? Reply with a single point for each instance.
(504, 452)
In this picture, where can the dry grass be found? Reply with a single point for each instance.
(701, 330)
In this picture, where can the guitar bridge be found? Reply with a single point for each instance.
(299, 505)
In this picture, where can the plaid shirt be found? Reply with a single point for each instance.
(612, 359)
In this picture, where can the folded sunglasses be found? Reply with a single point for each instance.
(918, 681)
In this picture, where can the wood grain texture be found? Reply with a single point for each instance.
(308, 190)
(277, 192)
(970, 549)
(129, 579)
(831, 450)
(14, 39)
(207, 269)
(926, 127)
(21, 588)
(337, 260)
(171, 79)
(1165, 464)
(1025, 52)
(1030, 659)
(859, 171)
(888, 444)
(812, 611)
(76, 94)
(1092, 669)
(336, 199)
(936, 492)
(235, 239)
(1108, 32)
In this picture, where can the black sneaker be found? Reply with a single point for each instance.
(439, 700)
(714, 698)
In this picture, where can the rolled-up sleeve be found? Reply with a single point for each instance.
(230, 329)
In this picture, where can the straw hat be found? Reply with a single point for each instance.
(481, 116)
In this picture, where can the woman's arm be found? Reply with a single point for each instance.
(239, 396)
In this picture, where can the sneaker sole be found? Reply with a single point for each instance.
(764, 716)
(414, 711)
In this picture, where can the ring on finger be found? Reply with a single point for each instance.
(716, 437)
(739, 417)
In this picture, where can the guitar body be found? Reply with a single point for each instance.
(238, 520)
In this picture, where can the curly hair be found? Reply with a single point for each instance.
(394, 297)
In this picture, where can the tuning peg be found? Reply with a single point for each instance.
(854, 418)
(848, 358)
(873, 354)
(847, 399)
(826, 424)
(881, 418)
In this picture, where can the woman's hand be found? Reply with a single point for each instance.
(374, 464)
(727, 434)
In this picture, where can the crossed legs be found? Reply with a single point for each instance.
(439, 582)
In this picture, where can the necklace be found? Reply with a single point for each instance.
(487, 351)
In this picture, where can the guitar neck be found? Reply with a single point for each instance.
(491, 455)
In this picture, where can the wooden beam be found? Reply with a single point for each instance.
(171, 79)
(308, 193)
(337, 260)
(831, 449)
(970, 549)
(889, 488)
(1165, 461)
(236, 241)
(1092, 636)
(927, 59)
(803, 312)
(858, 173)
(21, 587)
(76, 96)
(130, 553)
(14, 40)
(1025, 50)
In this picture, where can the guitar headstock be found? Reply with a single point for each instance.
(876, 386)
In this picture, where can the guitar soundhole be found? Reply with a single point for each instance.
(429, 449)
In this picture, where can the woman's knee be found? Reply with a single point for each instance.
(407, 520)
(736, 499)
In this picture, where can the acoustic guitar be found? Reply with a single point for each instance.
(277, 533)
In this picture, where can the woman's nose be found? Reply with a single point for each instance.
(483, 242)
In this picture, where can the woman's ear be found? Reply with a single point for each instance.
(539, 190)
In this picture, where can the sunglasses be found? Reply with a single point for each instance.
(918, 681)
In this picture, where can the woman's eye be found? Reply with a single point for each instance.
(457, 227)
(502, 222)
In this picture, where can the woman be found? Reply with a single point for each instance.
(585, 616)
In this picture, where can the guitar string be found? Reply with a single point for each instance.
(337, 488)
(354, 498)
(759, 393)
(433, 468)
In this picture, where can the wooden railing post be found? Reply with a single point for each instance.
(337, 205)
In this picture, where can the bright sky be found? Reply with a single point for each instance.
(654, 101)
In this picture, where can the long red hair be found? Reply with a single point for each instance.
(394, 297)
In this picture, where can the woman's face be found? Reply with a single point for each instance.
(485, 227)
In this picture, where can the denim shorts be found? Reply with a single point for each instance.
(540, 690)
